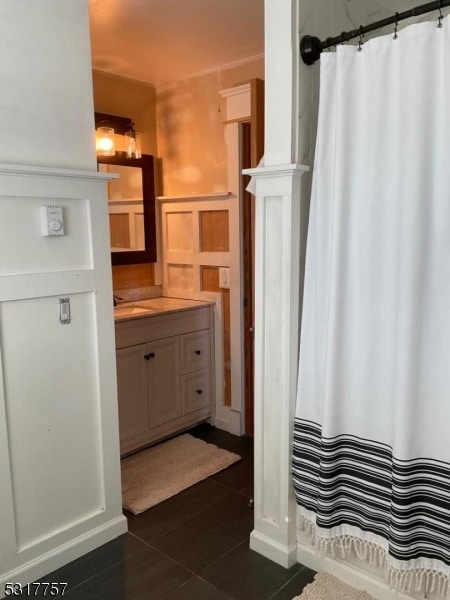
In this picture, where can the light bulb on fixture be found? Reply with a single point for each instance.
(105, 141)
(133, 143)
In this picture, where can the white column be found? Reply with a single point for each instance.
(277, 301)
(282, 59)
(277, 290)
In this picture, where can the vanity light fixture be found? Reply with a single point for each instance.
(117, 136)
(105, 144)
(133, 143)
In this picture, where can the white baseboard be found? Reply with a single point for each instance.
(229, 420)
(222, 424)
(286, 557)
(62, 555)
(348, 573)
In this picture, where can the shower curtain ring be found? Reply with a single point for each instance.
(361, 38)
(396, 26)
(441, 16)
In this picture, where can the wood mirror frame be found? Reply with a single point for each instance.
(133, 257)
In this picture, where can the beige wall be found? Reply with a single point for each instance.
(181, 124)
(191, 144)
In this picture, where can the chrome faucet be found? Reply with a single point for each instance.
(116, 299)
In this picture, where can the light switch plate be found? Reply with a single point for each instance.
(64, 311)
(224, 277)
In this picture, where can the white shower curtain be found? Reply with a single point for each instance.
(371, 461)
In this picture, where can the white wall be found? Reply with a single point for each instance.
(59, 451)
(46, 113)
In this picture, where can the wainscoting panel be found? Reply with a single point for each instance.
(59, 436)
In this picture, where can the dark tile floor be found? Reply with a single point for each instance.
(194, 546)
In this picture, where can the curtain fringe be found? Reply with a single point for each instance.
(402, 580)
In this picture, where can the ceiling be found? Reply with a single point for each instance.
(166, 40)
(157, 41)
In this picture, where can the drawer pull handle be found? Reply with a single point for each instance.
(198, 352)
(149, 356)
(199, 392)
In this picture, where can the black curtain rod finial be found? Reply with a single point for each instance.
(310, 49)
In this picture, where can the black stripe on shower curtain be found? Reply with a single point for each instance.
(355, 481)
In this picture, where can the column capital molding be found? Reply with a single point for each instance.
(237, 90)
(43, 171)
(271, 171)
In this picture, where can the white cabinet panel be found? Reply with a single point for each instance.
(132, 389)
(164, 400)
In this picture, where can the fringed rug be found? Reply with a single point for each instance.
(327, 587)
(158, 473)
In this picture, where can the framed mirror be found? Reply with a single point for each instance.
(131, 202)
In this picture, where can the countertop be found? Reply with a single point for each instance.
(138, 309)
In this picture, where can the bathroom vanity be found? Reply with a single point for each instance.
(164, 351)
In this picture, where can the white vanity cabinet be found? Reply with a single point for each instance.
(164, 374)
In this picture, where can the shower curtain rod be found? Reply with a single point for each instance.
(311, 47)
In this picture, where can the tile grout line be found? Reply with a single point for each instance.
(185, 583)
(188, 568)
(216, 587)
(287, 582)
(182, 523)
(113, 564)
(222, 556)
(149, 545)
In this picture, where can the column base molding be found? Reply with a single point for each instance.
(273, 550)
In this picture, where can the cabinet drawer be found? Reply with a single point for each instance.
(196, 391)
(195, 350)
(157, 327)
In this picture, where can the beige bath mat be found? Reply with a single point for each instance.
(158, 473)
(327, 587)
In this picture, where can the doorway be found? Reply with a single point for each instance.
(252, 150)
(244, 135)
(248, 268)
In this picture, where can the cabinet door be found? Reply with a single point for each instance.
(164, 381)
(132, 391)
